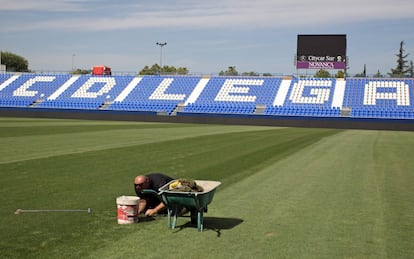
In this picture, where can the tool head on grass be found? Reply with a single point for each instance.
(19, 211)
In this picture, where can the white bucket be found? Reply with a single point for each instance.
(127, 209)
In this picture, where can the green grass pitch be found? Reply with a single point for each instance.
(285, 192)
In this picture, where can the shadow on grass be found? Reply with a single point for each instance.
(212, 223)
(146, 219)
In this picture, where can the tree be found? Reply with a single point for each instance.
(150, 71)
(14, 63)
(250, 74)
(182, 71)
(174, 71)
(364, 72)
(81, 71)
(340, 74)
(402, 67)
(378, 74)
(155, 70)
(231, 71)
(322, 74)
(411, 69)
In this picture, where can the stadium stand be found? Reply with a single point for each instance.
(307, 97)
(379, 98)
(177, 95)
(84, 92)
(234, 95)
(158, 94)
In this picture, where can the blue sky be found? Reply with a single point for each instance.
(203, 36)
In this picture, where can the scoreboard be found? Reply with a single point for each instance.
(321, 51)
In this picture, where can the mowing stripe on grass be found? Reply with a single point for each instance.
(329, 201)
(56, 140)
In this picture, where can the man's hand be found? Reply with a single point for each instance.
(150, 212)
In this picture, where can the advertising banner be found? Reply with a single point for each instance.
(321, 52)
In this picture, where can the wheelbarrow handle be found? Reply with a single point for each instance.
(149, 191)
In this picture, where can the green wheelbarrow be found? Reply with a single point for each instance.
(196, 202)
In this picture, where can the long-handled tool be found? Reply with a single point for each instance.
(18, 211)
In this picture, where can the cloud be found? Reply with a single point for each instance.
(39, 5)
(184, 14)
